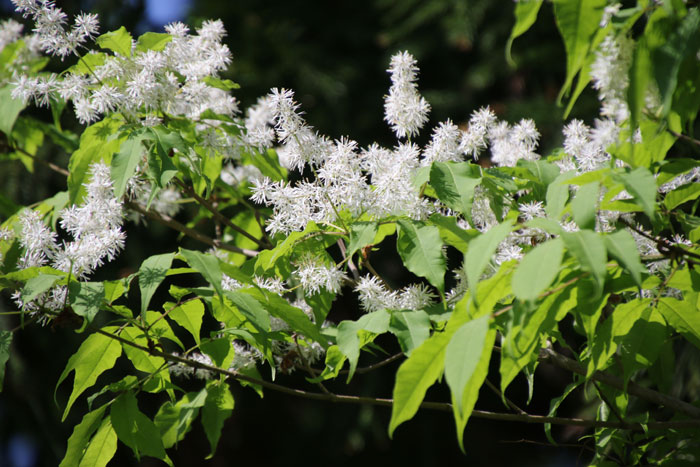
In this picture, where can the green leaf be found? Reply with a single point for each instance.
(683, 42)
(462, 356)
(135, 429)
(589, 248)
(86, 298)
(118, 41)
(220, 350)
(480, 251)
(151, 273)
(38, 285)
(451, 233)
(9, 109)
(623, 248)
(554, 405)
(526, 331)
(174, 420)
(189, 315)
(124, 163)
(82, 432)
(414, 377)
(152, 41)
(361, 235)
(683, 316)
(682, 195)
(217, 408)
(420, 248)
(5, 343)
(585, 205)
(641, 184)
(96, 354)
(577, 21)
(525, 16)
(102, 447)
(348, 338)
(411, 328)
(471, 391)
(144, 361)
(251, 308)
(454, 184)
(223, 84)
(557, 195)
(538, 268)
(97, 143)
(207, 265)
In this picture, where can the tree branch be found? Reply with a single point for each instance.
(173, 224)
(550, 356)
(441, 406)
(217, 214)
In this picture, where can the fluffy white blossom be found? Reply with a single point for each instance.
(610, 77)
(405, 110)
(314, 274)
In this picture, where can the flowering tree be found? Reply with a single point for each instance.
(599, 236)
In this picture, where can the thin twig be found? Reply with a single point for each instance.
(173, 224)
(217, 214)
(685, 137)
(498, 392)
(441, 406)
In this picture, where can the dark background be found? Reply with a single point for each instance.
(334, 55)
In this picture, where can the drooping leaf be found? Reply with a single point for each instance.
(641, 184)
(151, 273)
(557, 195)
(538, 268)
(5, 343)
(585, 205)
(451, 233)
(251, 308)
(124, 163)
(525, 16)
(623, 248)
(589, 248)
(102, 447)
(189, 315)
(683, 316)
(174, 420)
(95, 355)
(577, 21)
(480, 251)
(414, 377)
(420, 248)
(218, 407)
(463, 354)
(80, 438)
(681, 195)
(144, 361)
(38, 285)
(135, 429)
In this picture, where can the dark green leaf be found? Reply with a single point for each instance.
(207, 265)
(454, 184)
(411, 328)
(641, 184)
(623, 248)
(217, 408)
(86, 298)
(124, 163)
(361, 235)
(151, 273)
(135, 429)
(589, 248)
(5, 343)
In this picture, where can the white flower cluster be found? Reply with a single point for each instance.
(314, 274)
(173, 80)
(610, 77)
(374, 296)
(405, 110)
(50, 27)
(95, 227)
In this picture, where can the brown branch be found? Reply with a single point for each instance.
(441, 406)
(48, 164)
(217, 214)
(550, 356)
(173, 224)
(685, 137)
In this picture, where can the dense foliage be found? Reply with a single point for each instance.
(582, 258)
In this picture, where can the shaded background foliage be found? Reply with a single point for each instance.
(334, 55)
